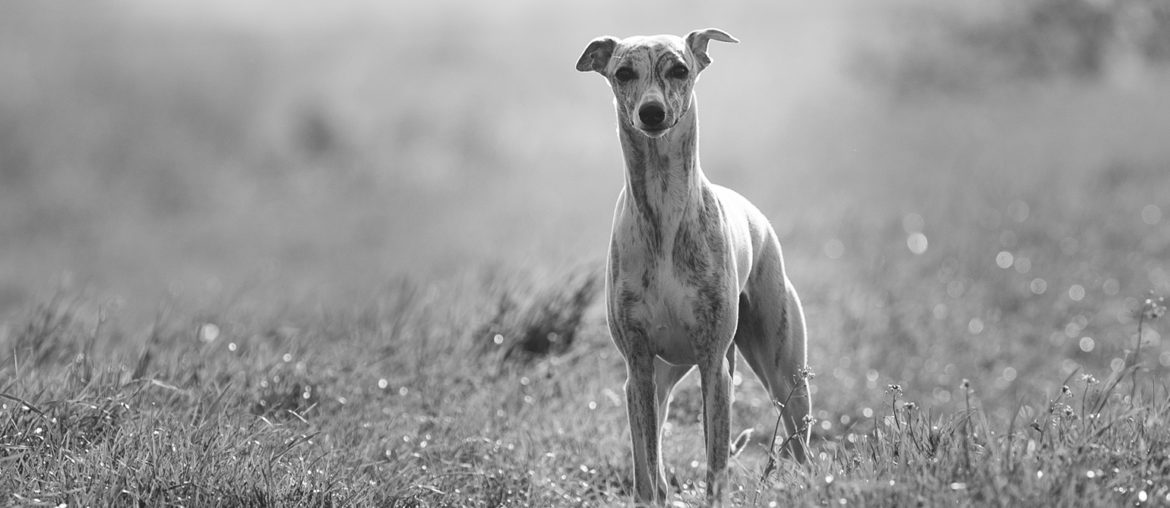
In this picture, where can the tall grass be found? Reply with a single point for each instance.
(399, 404)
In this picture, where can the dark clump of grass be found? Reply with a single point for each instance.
(546, 324)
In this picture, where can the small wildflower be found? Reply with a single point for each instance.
(1088, 379)
(910, 406)
(1154, 308)
(1066, 392)
(805, 373)
(895, 389)
(1068, 412)
(808, 419)
(966, 384)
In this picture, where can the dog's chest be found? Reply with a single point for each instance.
(671, 293)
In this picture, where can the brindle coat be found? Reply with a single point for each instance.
(693, 267)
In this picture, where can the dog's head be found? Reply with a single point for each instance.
(652, 76)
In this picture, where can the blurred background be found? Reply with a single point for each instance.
(992, 171)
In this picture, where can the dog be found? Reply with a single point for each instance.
(693, 267)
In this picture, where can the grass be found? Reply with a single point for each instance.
(408, 403)
(290, 276)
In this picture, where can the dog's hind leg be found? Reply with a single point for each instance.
(771, 336)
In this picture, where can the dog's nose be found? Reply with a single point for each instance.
(652, 115)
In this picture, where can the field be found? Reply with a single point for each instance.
(349, 255)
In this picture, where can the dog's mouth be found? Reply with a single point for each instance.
(656, 131)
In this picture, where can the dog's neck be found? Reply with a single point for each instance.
(663, 177)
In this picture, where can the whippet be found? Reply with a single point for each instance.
(693, 267)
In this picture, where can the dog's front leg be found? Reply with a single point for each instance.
(716, 384)
(643, 413)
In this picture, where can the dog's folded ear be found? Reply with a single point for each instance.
(697, 42)
(597, 54)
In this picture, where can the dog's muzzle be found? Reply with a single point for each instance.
(652, 116)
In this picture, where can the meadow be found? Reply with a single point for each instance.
(273, 255)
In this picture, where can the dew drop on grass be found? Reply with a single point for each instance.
(1004, 259)
(1087, 344)
(208, 332)
(232, 346)
(1023, 265)
(1038, 286)
(403, 391)
(498, 339)
(592, 405)
(382, 383)
(1009, 374)
(917, 243)
(1019, 210)
(1111, 286)
(287, 357)
(1151, 214)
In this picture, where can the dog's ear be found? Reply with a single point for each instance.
(596, 55)
(697, 42)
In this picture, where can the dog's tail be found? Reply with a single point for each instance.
(741, 442)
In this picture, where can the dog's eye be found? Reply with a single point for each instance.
(678, 72)
(625, 74)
